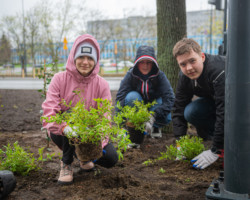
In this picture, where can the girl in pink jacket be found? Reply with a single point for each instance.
(81, 73)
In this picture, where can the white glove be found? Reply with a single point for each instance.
(204, 159)
(149, 125)
(179, 154)
(69, 131)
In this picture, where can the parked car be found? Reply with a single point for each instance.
(125, 63)
(107, 63)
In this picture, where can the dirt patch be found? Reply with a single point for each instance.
(129, 179)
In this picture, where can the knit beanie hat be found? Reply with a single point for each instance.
(86, 49)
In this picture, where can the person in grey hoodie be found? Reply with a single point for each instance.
(146, 82)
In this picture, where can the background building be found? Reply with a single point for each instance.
(119, 38)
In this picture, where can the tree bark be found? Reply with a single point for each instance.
(171, 27)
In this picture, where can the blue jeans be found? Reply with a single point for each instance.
(133, 95)
(201, 113)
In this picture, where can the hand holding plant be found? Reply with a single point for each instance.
(135, 116)
(92, 125)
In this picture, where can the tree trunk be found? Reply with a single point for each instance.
(171, 27)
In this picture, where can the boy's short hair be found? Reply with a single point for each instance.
(185, 45)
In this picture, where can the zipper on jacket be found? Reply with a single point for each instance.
(218, 76)
(146, 89)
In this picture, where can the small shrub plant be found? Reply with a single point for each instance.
(92, 125)
(46, 76)
(191, 146)
(20, 161)
(135, 116)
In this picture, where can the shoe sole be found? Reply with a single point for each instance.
(87, 170)
(64, 183)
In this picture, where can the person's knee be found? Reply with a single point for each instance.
(112, 161)
(110, 158)
(131, 97)
(189, 113)
(199, 110)
(169, 118)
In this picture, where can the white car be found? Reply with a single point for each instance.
(125, 63)
(107, 63)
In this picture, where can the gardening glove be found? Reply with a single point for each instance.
(179, 155)
(149, 125)
(204, 159)
(69, 131)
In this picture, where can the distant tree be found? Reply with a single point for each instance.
(134, 28)
(171, 27)
(55, 24)
(5, 50)
(216, 20)
(103, 30)
(217, 24)
(32, 33)
(12, 26)
(141, 27)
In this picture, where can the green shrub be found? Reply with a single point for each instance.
(17, 160)
(92, 125)
(191, 146)
(135, 116)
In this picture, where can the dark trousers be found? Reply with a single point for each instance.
(109, 158)
(201, 113)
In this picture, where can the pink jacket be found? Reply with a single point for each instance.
(64, 83)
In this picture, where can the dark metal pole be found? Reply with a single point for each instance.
(237, 99)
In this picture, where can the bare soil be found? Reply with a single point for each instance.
(128, 180)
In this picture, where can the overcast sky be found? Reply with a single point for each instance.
(111, 8)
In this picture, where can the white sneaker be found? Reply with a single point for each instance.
(156, 133)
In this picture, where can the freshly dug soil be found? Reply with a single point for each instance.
(128, 180)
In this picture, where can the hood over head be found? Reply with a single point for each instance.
(145, 52)
(84, 45)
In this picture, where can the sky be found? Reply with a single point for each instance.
(111, 8)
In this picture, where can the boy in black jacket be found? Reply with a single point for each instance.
(202, 75)
(146, 82)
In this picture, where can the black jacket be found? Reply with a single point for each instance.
(210, 84)
(151, 87)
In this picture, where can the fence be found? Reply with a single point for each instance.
(125, 48)
(35, 72)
